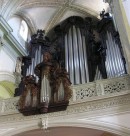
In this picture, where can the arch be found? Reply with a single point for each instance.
(28, 20)
(109, 128)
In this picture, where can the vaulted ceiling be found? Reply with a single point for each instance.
(44, 14)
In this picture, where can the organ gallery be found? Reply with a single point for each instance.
(77, 51)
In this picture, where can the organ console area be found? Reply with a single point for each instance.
(77, 51)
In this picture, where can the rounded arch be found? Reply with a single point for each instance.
(98, 126)
(28, 20)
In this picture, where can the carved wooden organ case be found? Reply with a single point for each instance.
(80, 51)
(45, 86)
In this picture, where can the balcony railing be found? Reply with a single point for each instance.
(81, 93)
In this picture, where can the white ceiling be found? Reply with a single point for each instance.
(44, 14)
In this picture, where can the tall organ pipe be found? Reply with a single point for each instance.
(66, 54)
(85, 59)
(112, 54)
(76, 61)
(81, 59)
(113, 59)
(71, 59)
(76, 56)
(107, 63)
(109, 58)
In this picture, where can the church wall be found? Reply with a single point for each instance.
(10, 49)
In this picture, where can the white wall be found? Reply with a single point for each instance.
(15, 23)
(126, 4)
(7, 64)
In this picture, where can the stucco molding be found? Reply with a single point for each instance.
(8, 37)
(110, 105)
(6, 76)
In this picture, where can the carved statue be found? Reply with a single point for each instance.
(98, 59)
(60, 84)
(29, 97)
(18, 65)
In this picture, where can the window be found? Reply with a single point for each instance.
(23, 30)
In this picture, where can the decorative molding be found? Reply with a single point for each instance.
(110, 105)
(7, 34)
(87, 104)
(29, 3)
(28, 20)
(6, 76)
(5, 25)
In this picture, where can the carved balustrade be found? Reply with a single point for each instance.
(81, 93)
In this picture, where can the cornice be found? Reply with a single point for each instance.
(45, 2)
(107, 106)
(5, 25)
(10, 38)
(39, 4)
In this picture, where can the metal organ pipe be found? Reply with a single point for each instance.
(114, 62)
(117, 57)
(108, 58)
(66, 54)
(85, 59)
(120, 61)
(71, 59)
(81, 59)
(112, 55)
(76, 56)
(39, 55)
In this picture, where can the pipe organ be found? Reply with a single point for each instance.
(115, 68)
(76, 56)
(91, 52)
(79, 52)
(115, 61)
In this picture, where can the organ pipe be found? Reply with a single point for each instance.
(76, 56)
(81, 59)
(66, 54)
(71, 59)
(114, 62)
(85, 60)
